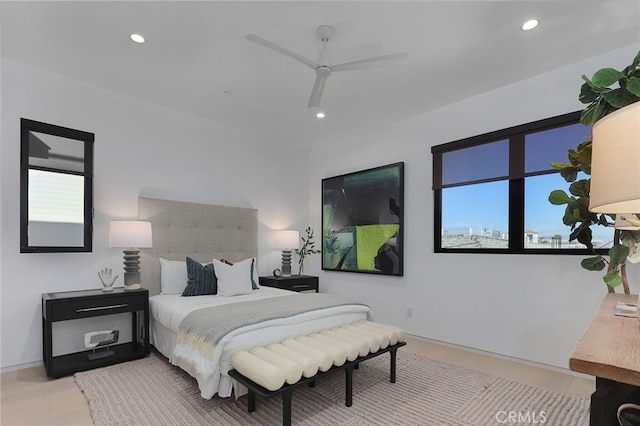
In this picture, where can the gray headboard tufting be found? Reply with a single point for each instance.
(200, 231)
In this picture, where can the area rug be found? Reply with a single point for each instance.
(150, 391)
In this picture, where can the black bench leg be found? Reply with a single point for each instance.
(251, 402)
(392, 373)
(348, 396)
(286, 407)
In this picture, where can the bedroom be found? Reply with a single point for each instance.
(143, 148)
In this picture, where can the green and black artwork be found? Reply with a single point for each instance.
(362, 221)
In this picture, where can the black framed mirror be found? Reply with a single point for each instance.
(56, 188)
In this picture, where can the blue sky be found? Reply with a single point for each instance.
(486, 206)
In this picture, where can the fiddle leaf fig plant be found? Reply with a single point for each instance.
(602, 99)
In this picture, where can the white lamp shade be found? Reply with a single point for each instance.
(615, 162)
(287, 239)
(130, 233)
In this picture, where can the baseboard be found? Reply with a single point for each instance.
(504, 357)
(21, 366)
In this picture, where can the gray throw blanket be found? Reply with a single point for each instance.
(203, 328)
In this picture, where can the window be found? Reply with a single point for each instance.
(491, 191)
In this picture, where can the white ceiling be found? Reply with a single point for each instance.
(197, 50)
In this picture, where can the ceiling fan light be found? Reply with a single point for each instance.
(530, 24)
(137, 38)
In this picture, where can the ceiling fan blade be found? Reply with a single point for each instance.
(372, 62)
(316, 93)
(266, 43)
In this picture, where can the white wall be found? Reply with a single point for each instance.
(529, 307)
(140, 149)
(532, 307)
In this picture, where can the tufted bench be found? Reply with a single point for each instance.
(278, 368)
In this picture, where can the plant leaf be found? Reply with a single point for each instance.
(633, 85)
(570, 173)
(612, 279)
(559, 197)
(593, 263)
(559, 166)
(620, 98)
(595, 88)
(587, 94)
(584, 235)
(580, 188)
(592, 113)
(618, 255)
(606, 77)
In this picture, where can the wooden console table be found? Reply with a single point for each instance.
(610, 351)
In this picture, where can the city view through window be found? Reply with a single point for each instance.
(475, 191)
(476, 216)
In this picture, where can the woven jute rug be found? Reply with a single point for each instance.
(150, 391)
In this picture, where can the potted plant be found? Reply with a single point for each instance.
(602, 99)
(308, 248)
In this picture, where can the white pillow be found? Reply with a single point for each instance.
(233, 279)
(173, 276)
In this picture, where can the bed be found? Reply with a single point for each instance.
(202, 233)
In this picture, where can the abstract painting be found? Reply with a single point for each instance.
(362, 215)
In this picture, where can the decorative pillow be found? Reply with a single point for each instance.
(173, 276)
(201, 279)
(254, 272)
(234, 279)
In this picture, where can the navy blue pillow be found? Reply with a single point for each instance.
(201, 279)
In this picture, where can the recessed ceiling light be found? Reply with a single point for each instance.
(530, 24)
(320, 114)
(137, 38)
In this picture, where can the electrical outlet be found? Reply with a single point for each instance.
(409, 312)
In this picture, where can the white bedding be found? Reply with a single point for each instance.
(167, 311)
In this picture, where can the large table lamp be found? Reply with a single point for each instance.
(615, 171)
(615, 162)
(131, 235)
(286, 241)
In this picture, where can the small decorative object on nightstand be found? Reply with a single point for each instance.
(107, 278)
(293, 283)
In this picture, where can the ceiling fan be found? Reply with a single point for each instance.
(322, 66)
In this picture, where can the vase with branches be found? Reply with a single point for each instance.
(308, 248)
(603, 98)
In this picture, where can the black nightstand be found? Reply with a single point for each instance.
(70, 305)
(293, 283)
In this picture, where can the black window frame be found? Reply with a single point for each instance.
(516, 193)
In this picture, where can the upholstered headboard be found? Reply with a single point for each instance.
(200, 231)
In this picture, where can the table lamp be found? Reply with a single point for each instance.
(131, 235)
(615, 170)
(287, 240)
(615, 162)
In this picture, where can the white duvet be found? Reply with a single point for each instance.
(167, 311)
